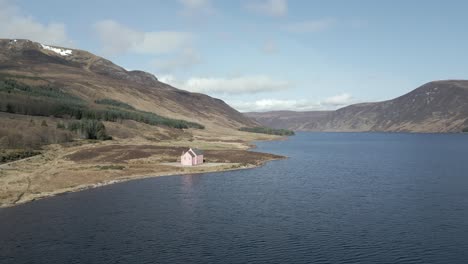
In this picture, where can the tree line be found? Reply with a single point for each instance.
(19, 98)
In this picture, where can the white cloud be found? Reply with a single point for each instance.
(234, 86)
(169, 79)
(338, 100)
(311, 26)
(273, 105)
(275, 8)
(117, 38)
(163, 42)
(15, 25)
(183, 61)
(196, 7)
(263, 105)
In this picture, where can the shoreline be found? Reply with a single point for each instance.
(66, 163)
(80, 188)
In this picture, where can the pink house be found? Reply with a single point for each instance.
(191, 157)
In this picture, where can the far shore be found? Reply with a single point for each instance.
(63, 169)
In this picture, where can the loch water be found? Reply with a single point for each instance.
(338, 198)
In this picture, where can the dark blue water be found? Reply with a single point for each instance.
(340, 198)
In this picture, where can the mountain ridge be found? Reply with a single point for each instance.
(438, 106)
(93, 77)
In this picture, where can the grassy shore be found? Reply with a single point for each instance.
(71, 167)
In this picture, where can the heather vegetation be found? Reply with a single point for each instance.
(267, 130)
(48, 101)
(111, 167)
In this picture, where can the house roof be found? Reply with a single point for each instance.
(194, 152)
(197, 151)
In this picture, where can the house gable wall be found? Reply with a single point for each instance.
(186, 159)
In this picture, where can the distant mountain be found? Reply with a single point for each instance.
(439, 106)
(91, 77)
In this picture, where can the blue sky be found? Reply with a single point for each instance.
(260, 55)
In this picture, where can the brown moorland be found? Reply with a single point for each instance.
(45, 94)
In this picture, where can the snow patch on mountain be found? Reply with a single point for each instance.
(63, 52)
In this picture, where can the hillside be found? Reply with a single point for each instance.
(71, 120)
(439, 106)
(286, 119)
(90, 77)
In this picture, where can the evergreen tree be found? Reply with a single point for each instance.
(10, 108)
